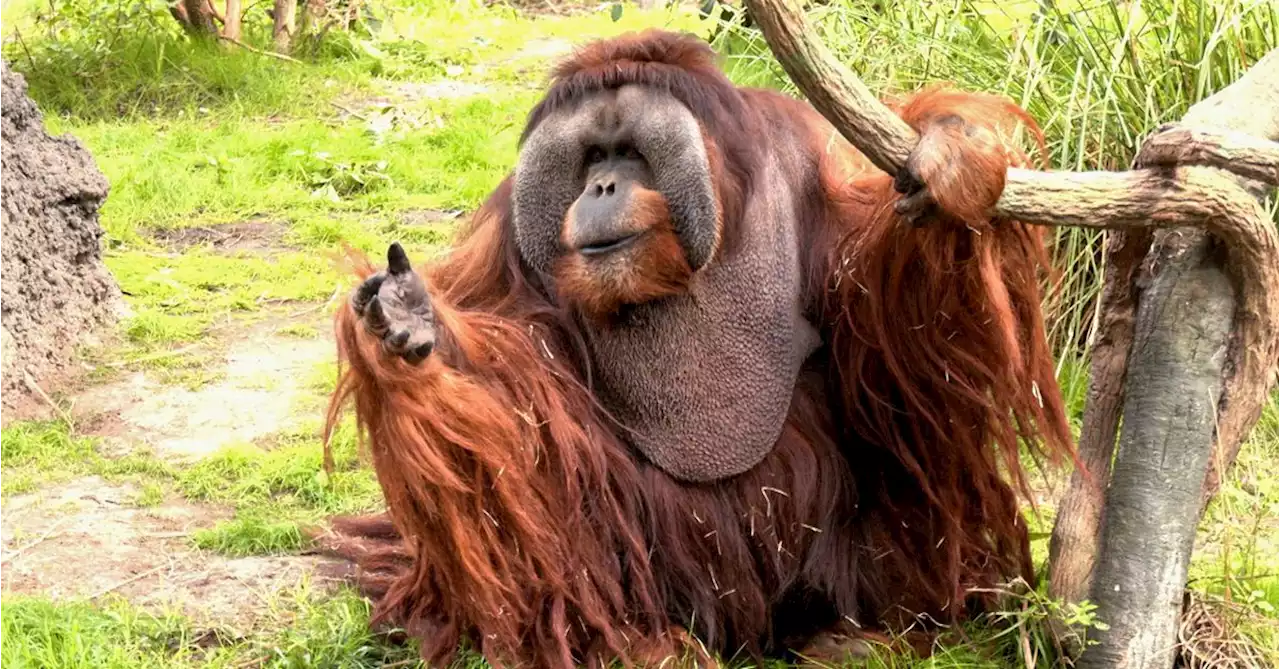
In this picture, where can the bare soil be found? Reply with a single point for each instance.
(86, 539)
(245, 236)
(263, 388)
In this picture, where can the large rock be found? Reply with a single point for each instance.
(56, 291)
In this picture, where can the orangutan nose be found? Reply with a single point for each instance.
(601, 217)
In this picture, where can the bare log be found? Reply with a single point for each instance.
(1199, 340)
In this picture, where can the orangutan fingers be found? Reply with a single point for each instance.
(916, 208)
(417, 355)
(907, 181)
(365, 292)
(412, 341)
(375, 317)
(917, 204)
(398, 260)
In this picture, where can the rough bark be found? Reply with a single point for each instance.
(1074, 544)
(1153, 504)
(57, 293)
(284, 27)
(1198, 340)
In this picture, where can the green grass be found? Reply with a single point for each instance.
(40, 634)
(278, 490)
(34, 454)
(178, 298)
(255, 531)
(303, 628)
(174, 174)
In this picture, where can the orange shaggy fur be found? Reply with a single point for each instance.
(519, 520)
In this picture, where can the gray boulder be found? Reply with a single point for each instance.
(56, 292)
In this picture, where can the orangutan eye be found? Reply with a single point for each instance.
(629, 152)
(594, 155)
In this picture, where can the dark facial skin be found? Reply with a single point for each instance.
(601, 216)
(647, 141)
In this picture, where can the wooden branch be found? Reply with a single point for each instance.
(832, 88)
(1189, 196)
(260, 52)
(1239, 153)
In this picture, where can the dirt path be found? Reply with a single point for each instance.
(85, 539)
(89, 537)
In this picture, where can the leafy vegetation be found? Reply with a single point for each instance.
(396, 130)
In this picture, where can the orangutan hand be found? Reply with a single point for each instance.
(956, 168)
(395, 307)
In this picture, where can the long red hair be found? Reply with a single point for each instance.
(520, 521)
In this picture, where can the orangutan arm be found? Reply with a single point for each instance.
(936, 322)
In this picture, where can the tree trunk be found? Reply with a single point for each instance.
(1192, 383)
(231, 27)
(284, 24)
(196, 16)
(1153, 505)
(1074, 545)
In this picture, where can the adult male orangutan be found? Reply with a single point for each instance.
(697, 370)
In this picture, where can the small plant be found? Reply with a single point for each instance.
(1036, 630)
(333, 180)
(152, 494)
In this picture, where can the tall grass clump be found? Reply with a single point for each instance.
(1097, 74)
(112, 59)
